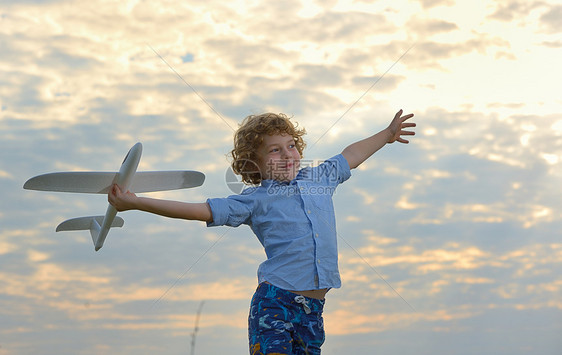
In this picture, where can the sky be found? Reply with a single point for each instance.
(448, 245)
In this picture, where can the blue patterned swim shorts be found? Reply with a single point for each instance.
(282, 322)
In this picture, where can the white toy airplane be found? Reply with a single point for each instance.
(101, 182)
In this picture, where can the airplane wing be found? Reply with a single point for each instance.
(148, 181)
(85, 223)
(100, 182)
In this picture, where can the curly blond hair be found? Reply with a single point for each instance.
(249, 137)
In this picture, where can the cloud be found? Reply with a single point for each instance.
(434, 3)
(511, 10)
(387, 83)
(327, 27)
(551, 19)
(347, 322)
(425, 28)
(523, 12)
(552, 44)
(429, 54)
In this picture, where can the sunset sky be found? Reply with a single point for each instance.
(449, 245)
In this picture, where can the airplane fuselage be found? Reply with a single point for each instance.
(123, 179)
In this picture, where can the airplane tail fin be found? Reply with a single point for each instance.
(91, 223)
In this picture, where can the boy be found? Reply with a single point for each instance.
(290, 210)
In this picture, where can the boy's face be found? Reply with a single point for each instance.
(278, 157)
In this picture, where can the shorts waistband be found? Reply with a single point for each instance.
(267, 290)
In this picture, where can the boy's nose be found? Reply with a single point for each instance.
(285, 153)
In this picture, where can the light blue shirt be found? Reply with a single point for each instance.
(295, 223)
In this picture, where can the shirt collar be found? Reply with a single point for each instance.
(272, 182)
(302, 174)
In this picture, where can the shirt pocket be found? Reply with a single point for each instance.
(322, 202)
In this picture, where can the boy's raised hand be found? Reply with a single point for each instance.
(397, 126)
(122, 201)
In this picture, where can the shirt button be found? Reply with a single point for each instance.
(309, 212)
(318, 261)
(316, 235)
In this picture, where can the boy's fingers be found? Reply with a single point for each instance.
(407, 117)
(115, 190)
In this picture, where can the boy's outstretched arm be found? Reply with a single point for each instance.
(358, 152)
(124, 201)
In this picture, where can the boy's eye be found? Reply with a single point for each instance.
(291, 146)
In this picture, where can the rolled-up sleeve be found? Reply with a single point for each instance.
(230, 211)
(334, 171)
(344, 171)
